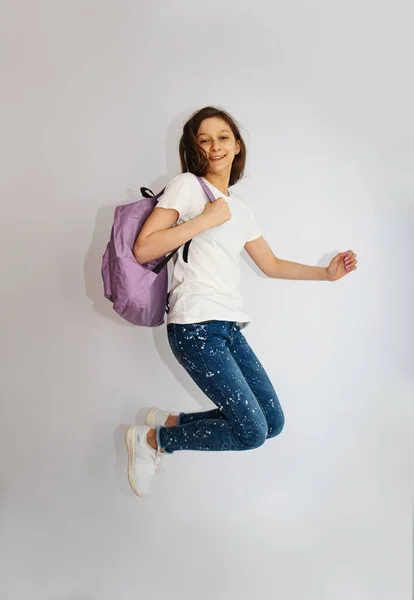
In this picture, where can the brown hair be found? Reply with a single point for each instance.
(193, 158)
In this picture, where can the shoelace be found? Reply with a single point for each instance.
(157, 458)
(153, 459)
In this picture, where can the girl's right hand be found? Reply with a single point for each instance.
(216, 213)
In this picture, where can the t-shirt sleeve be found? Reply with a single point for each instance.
(253, 230)
(176, 195)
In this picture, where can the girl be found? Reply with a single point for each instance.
(206, 317)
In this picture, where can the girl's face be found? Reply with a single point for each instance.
(219, 144)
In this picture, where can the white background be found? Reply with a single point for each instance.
(94, 97)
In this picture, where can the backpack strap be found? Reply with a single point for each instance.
(147, 193)
(165, 260)
(207, 190)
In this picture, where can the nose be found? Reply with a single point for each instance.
(215, 145)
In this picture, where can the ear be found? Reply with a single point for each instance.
(237, 147)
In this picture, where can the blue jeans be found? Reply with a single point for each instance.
(218, 358)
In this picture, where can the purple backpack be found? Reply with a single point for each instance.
(138, 291)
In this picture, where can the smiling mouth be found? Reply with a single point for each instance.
(215, 158)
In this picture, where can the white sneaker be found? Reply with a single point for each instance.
(142, 459)
(156, 417)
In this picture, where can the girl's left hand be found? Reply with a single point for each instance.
(342, 264)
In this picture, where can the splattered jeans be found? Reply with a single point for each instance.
(218, 358)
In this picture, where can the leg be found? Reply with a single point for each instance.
(184, 418)
(203, 350)
(259, 383)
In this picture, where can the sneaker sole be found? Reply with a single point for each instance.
(130, 444)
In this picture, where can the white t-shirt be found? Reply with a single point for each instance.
(207, 286)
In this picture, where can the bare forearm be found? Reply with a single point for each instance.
(160, 243)
(285, 269)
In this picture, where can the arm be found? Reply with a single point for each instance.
(261, 253)
(158, 236)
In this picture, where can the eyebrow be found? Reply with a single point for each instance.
(222, 131)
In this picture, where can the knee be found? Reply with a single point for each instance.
(276, 424)
(256, 435)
